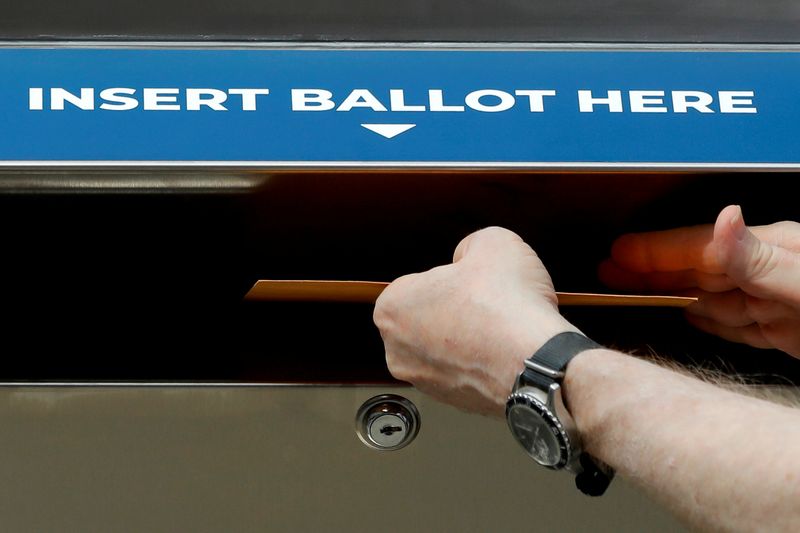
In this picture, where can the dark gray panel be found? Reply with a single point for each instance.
(733, 21)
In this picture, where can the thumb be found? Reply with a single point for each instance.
(759, 268)
(487, 242)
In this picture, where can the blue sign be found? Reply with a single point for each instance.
(417, 107)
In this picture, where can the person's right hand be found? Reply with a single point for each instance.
(747, 279)
(461, 332)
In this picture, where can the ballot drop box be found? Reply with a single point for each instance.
(153, 169)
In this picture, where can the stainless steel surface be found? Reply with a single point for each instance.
(230, 459)
(387, 422)
(428, 20)
(555, 374)
(555, 401)
(122, 180)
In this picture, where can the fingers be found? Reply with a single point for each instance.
(715, 258)
(748, 279)
(614, 276)
(677, 249)
(760, 268)
(781, 335)
(691, 248)
(750, 334)
(737, 309)
(739, 317)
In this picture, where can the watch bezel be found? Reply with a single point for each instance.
(527, 400)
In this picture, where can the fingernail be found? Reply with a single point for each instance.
(737, 225)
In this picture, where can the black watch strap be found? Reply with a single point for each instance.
(555, 355)
(595, 478)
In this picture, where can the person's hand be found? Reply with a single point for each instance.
(461, 332)
(747, 279)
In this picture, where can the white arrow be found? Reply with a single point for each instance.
(389, 130)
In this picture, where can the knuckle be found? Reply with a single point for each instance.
(400, 373)
(785, 234)
(764, 311)
(499, 233)
(788, 231)
(714, 282)
(756, 308)
(462, 247)
(389, 303)
(397, 368)
(487, 241)
(763, 262)
(381, 314)
(774, 335)
(787, 226)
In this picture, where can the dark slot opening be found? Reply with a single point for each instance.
(128, 287)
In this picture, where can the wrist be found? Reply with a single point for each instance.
(540, 420)
(531, 332)
(587, 378)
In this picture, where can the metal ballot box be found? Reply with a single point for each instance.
(156, 160)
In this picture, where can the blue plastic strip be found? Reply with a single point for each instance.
(413, 107)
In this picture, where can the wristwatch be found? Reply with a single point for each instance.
(540, 421)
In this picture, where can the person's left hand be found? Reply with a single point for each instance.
(461, 332)
(747, 279)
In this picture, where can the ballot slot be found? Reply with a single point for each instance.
(149, 287)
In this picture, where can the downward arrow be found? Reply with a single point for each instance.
(388, 130)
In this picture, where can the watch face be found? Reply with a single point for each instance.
(538, 432)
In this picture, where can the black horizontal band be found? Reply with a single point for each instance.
(555, 354)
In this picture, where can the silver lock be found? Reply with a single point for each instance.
(387, 422)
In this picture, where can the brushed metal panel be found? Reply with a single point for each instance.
(275, 459)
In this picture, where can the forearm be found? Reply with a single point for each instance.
(718, 459)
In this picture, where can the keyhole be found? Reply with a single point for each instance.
(389, 430)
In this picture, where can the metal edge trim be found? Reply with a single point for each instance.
(392, 165)
(422, 45)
